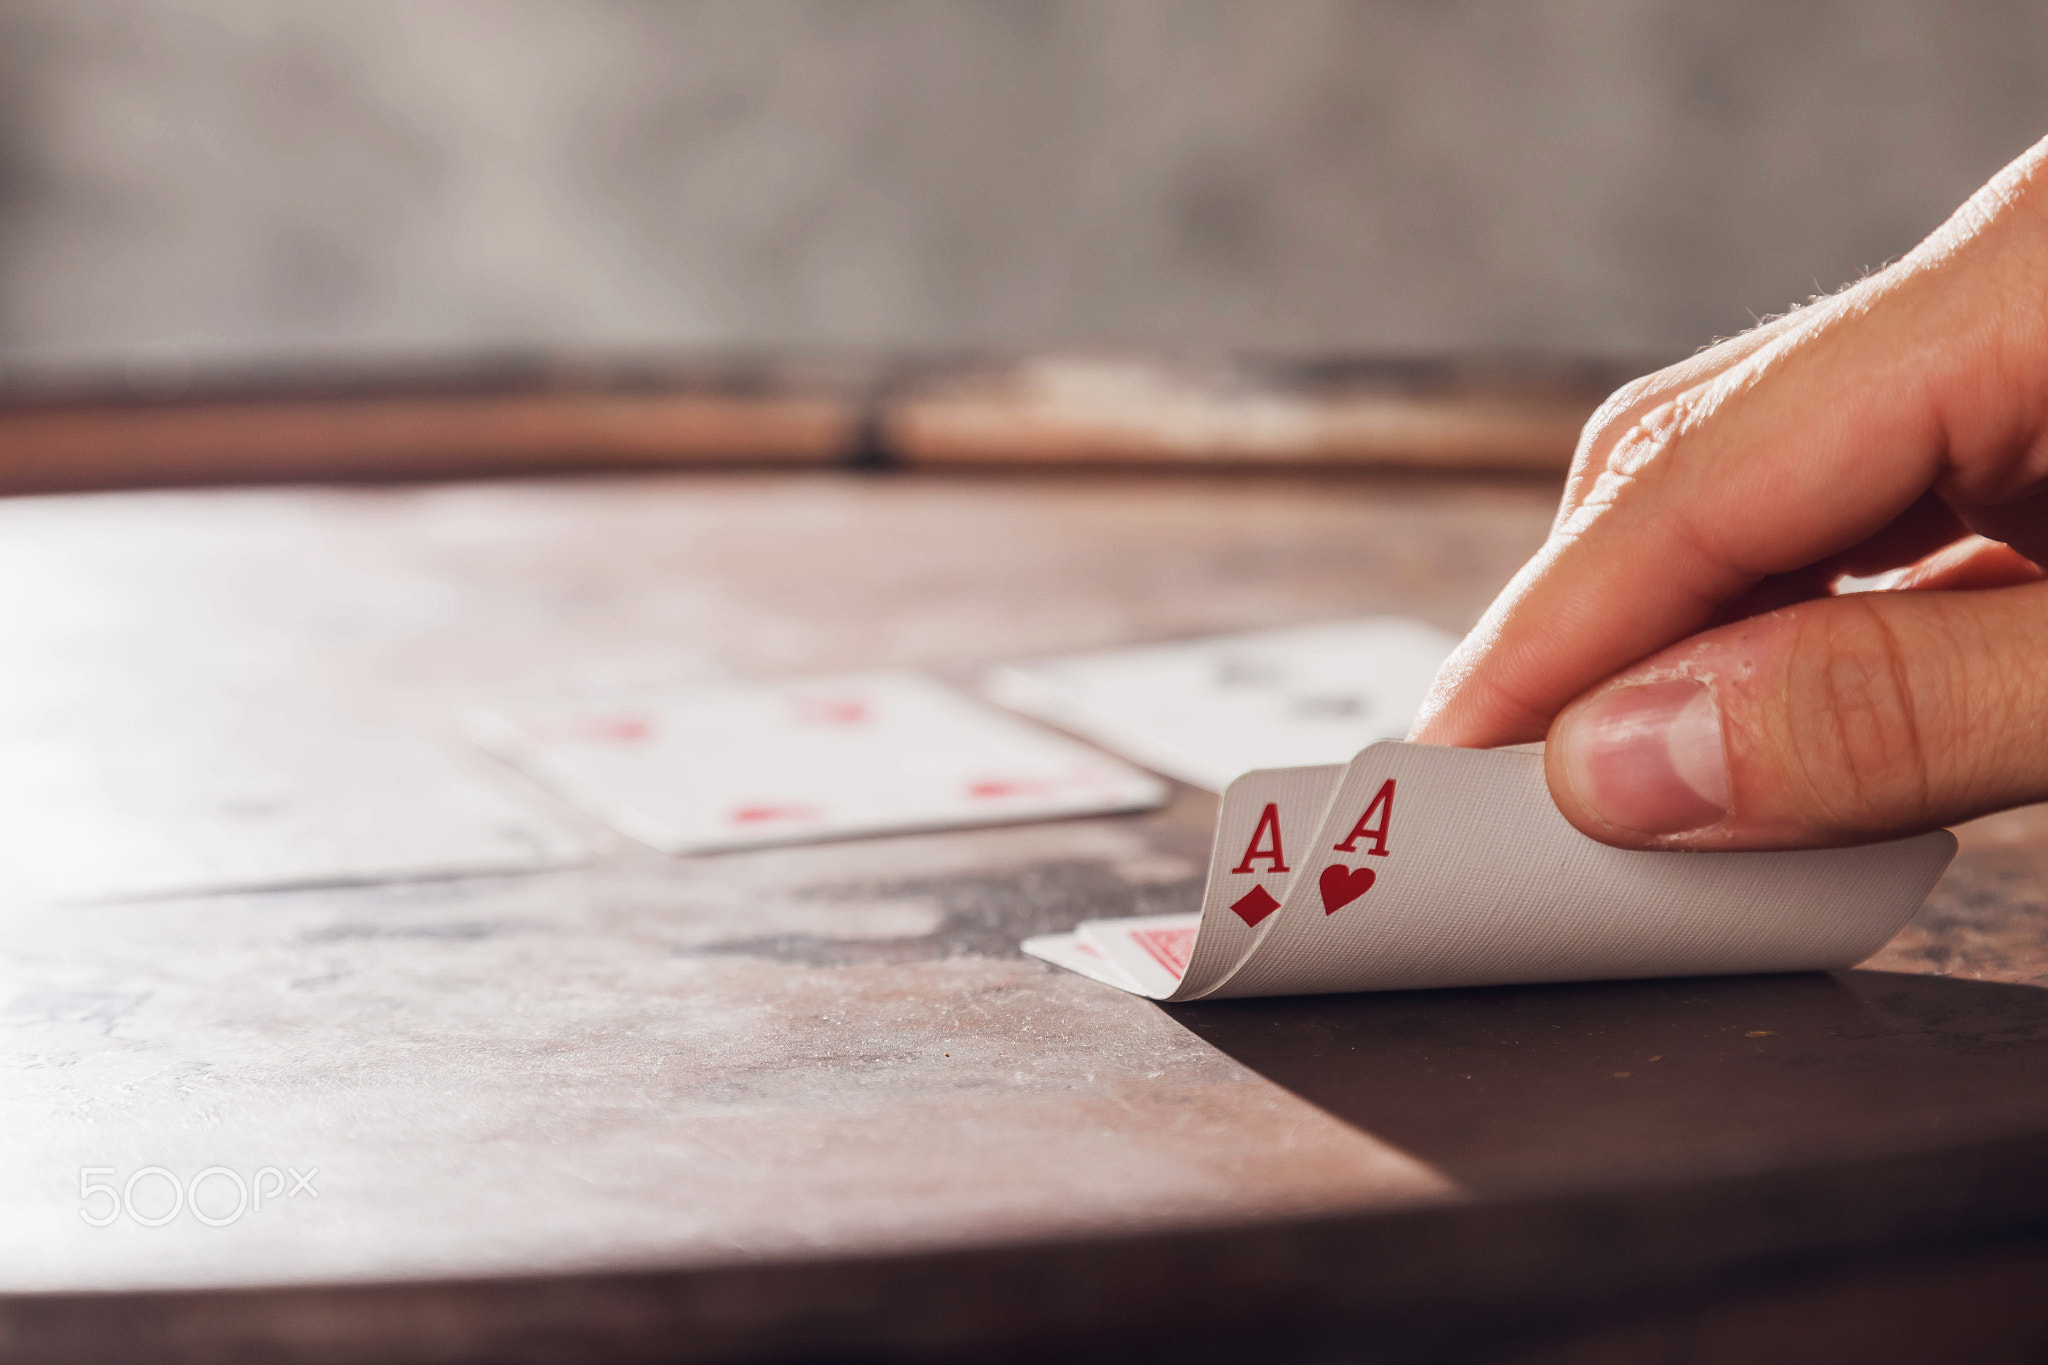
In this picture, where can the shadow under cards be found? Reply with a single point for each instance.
(1535, 1088)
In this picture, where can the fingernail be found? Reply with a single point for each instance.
(1648, 758)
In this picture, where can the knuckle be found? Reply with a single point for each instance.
(1632, 457)
(1617, 413)
(1657, 436)
(1634, 432)
(1630, 395)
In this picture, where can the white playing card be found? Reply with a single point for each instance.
(1443, 867)
(1151, 951)
(1264, 828)
(1205, 711)
(1067, 950)
(264, 792)
(1435, 867)
(737, 765)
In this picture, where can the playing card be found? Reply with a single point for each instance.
(1205, 711)
(1437, 867)
(266, 792)
(1264, 828)
(1151, 952)
(737, 765)
(1453, 867)
(1067, 950)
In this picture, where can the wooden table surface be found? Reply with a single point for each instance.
(811, 1101)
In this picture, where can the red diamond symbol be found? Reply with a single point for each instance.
(1254, 905)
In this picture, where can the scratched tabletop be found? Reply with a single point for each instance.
(811, 1102)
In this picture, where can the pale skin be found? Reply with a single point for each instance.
(1680, 640)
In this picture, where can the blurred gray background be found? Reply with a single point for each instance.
(240, 179)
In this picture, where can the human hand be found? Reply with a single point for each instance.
(1679, 636)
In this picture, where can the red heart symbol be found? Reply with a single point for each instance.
(1342, 885)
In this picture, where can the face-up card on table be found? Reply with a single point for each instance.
(1205, 711)
(1085, 959)
(250, 793)
(726, 766)
(1437, 867)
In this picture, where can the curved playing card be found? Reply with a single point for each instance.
(1433, 867)
(1262, 828)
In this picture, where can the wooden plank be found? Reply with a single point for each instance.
(68, 448)
(1072, 411)
(1067, 411)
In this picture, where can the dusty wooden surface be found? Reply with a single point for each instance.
(812, 1101)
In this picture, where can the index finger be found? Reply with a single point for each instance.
(1803, 449)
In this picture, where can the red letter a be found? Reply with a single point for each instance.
(1365, 829)
(1268, 819)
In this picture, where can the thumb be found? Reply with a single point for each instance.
(1836, 721)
